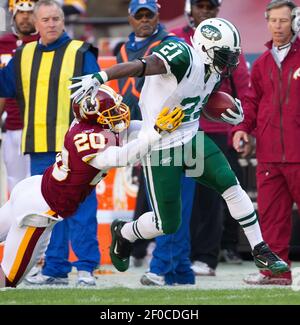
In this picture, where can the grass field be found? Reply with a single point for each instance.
(115, 288)
(161, 296)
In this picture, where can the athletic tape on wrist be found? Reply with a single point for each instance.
(101, 76)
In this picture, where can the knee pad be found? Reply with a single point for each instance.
(225, 178)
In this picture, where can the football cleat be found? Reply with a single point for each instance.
(120, 247)
(265, 259)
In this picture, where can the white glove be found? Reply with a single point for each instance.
(88, 84)
(232, 117)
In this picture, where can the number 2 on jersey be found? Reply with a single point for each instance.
(84, 141)
(168, 51)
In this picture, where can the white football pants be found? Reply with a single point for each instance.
(26, 222)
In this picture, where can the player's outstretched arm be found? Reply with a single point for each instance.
(89, 84)
(134, 150)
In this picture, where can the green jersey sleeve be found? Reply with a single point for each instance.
(177, 55)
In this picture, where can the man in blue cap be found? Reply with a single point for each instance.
(136, 5)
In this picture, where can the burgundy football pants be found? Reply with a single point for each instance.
(278, 187)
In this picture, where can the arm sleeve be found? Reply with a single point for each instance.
(90, 64)
(128, 154)
(8, 80)
(132, 132)
(134, 127)
(176, 56)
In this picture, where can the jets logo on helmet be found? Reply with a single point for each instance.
(218, 43)
(211, 33)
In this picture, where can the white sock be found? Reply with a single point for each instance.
(143, 228)
(242, 210)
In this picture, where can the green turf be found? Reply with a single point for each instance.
(122, 296)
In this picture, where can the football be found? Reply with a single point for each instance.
(217, 103)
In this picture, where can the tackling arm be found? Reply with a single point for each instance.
(136, 148)
(128, 154)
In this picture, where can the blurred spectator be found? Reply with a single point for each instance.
(272, 109)
(72, 9)
(211, 222)
(23, 31)
(38, 76)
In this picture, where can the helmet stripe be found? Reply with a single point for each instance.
(236, 34)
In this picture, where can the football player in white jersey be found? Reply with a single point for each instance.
(184, 76)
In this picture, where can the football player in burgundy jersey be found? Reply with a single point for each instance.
(92, 146)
